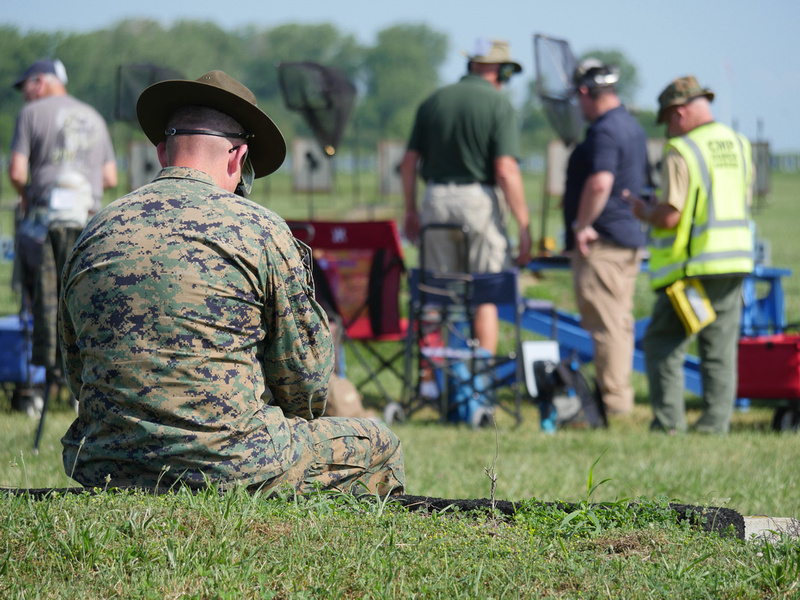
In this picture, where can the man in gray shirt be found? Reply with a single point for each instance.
(61, 161)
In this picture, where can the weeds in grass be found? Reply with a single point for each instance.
(679, 567)
(585, 520)
(24, 468)
(588, 519)
(330, 544)
(491, 472)
(77, 454)
(779, 568)
(380, 503)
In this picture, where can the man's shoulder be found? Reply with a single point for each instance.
(468, 86)
(50, 106)
(86, 107)
(617, 128)
(57, 100)
(470, 93)
(617, 118)
(713, 128)
(179, 188)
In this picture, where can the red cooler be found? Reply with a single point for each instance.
(769, 366)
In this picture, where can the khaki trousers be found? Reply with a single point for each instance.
(605, 282)
(478, 207)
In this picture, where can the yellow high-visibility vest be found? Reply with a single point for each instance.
(713, 236)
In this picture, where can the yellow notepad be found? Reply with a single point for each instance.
(691, 304)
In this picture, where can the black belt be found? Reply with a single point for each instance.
(458, 181)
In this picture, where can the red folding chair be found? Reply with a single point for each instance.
(358, 266)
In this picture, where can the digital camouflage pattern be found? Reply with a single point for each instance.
(191, 338)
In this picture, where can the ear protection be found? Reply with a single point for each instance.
(505, 72)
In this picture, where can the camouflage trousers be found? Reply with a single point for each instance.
(59, 242)
(343, 453)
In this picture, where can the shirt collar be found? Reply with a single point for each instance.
(184, 173)
(475, 78)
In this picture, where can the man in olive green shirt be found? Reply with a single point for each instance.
(465, 144)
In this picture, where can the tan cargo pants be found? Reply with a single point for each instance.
(605, 282)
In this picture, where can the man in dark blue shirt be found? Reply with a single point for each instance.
(603, 238)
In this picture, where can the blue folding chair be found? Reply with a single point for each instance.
(445, 367)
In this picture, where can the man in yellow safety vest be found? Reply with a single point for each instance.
(700, 231)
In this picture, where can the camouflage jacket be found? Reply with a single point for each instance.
(190, 334)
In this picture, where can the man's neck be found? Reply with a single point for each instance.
(605, 103)
(700, 120)
(54, 89)
(487, 72)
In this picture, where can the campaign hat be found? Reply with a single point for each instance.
(220, 91)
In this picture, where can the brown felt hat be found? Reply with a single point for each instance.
(220, 91)
(680, 92)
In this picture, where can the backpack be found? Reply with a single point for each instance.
(565, 399)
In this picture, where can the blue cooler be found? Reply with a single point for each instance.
(15, 353)
(465, 393)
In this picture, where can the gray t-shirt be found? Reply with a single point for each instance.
(67, 144)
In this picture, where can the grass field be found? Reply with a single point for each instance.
(206, 547)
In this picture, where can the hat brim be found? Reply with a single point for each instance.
(491, 61)
(21, 81)
(40, 67)
(660, 117)
(157, 103)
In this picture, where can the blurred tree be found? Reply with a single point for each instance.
(322, 44)
(393, 76)
(17, 52)
(536, 129)
(202, 47)
(92, 73)
(400, 71)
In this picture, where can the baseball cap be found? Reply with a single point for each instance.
(44, 66)
(594, 74)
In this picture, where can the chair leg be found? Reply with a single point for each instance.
(47, 393)
(373, 373)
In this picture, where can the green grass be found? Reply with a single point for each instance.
(136, 545)
(238, 546)
(752, 470)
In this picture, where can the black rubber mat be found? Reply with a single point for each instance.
(723, 521)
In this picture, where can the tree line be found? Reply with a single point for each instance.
(392, 76)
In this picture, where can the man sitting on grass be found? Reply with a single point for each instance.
(190, 333)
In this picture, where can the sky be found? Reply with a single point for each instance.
(746, 51)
